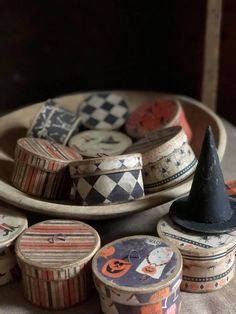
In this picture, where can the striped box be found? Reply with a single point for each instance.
(158, 114)
(55, 258)
(138, 275)
(113, 179)
(208, 260)
(167, 158)
(12, 223)
(41, 168)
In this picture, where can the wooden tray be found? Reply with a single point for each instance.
(15, 125)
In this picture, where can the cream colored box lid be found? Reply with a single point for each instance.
(192, 242)
(12, 223)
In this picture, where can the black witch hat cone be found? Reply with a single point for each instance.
(207, 208)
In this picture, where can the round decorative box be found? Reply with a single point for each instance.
(53, 123)
(55, 257)
(167, 158)
(138, 275)
(103, 111)
(97, 143)
(12, 223)
(112, 179)
(208, 260)
(41, 168)
(158, 114)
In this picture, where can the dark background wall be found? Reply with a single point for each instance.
(48, 48)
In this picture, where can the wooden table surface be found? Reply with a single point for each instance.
(222, 301)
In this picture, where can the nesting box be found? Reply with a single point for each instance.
(41, 168)
(167, 158)
(208, 260)
(138, 275)
(112, 179)
(54, 257)
(12, 223)
(53, 123)
(160, 113)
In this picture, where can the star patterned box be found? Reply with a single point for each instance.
(12, 223)
(53, 123)
(208, 260)
(55, 260)
(41, 168)
(167, 158)
(107, 180)
(138, 275)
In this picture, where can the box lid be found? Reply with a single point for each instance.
(57, 245)
(97, 143)
(150, 116)
(12, 223)
(194, 243)
(138, 264)
(43, 154)
(105, 165)
(103, 111)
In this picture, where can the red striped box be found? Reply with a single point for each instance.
(54, 257)
(41, 168)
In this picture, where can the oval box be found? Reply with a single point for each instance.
(107, 180)
(158, 114)
(53, 123)
(12, 223)
(138, 275)
(41, 168)
(208, 260)
(167, 158)
(55, 258)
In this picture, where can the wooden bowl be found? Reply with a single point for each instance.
(15, 125)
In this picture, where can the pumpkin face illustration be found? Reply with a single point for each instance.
(149, 269)
(108, 251)
(116, 268)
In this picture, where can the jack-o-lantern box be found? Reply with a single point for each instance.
(208, 259)
(12, 223)
(55, 260)
(138, 274)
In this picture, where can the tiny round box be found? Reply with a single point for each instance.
(158, 114)
(12, 223)
(55, 257)
(167, 158)
(41, 168)
(53, 123)
(112, 179)
(138, 275)
(208, 260)
(103, 111)
(97, 143)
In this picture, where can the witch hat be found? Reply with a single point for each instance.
(207, 208)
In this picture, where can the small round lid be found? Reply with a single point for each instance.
(12, 223)
(57, 244)
(44, 149)
(103, 111)
(152, 116)
(194, 242)
(95, 143)
(138, 264)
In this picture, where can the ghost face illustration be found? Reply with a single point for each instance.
(155, 262)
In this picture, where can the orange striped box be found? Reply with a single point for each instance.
(55, 258)
(12, 223)
(41, 168)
